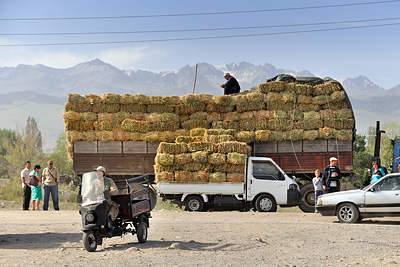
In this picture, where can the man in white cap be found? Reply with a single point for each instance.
(231, 86)
(331, 176)
(109, 184)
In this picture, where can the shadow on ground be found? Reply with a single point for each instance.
(37, 241)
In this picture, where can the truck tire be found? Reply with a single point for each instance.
(307, 198)
(265, 203)
(194, 203)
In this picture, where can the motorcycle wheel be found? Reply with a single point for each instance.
(89, 241)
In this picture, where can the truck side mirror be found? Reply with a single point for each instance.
(293, 174)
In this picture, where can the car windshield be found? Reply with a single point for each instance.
(92, 188)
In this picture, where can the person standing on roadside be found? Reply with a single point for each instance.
(36, 190)
(331, 176)
(50, 178)
(317, 182)
(377, 172)
(27, 189)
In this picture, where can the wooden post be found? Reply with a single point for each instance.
(195, 78)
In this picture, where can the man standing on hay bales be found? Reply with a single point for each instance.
(231, 86)
(331, 176)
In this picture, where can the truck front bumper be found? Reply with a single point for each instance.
(293, 197)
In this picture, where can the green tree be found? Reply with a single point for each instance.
(25, 145)
(361, 159)
(60, 156)
(6, 135)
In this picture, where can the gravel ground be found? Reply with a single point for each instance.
(29, 238)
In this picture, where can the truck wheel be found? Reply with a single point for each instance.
(348, 213)
(89, 241)
(307, 198)
(194, 203)
(265, 203)
(141, 232)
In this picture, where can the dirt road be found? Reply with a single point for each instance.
(32, 238)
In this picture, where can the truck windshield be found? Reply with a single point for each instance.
(92, 188)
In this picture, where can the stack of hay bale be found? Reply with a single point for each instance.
(277, 111)
(206, 155)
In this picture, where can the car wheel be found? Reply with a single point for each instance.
(141, 232)
(348, 213)
(265, 203)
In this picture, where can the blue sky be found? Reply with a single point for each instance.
(373, 52)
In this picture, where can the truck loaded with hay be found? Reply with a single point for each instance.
(207, 140)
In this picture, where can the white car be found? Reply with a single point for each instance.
(379, 199)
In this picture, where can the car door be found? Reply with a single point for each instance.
(266, 178)
(385, 196)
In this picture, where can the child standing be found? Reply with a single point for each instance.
(317, 186)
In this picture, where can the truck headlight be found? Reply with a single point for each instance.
(293, 186)
(319, 202)
(89, 217)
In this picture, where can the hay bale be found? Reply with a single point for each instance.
(217, 158)
(80, 126)
(164, 126)
(340, 124)
(107, 125)
(135, 126)
(133, 136)
(312, 115)
(327, 114)
(247, 115)
(327, 133)
(295, 134)
(288, 97)
(245, 136)
(344, 135)
(201, 176)
(183, 176)
(262, 114)
(219, 132)
(105, 136)
(233, 146)
(89, 116)
(78, 107)
(75, 98)
(218, 138)
(320, 99)
(111, 98)
(189, 139)
(217, 177)
(219, 108)
(105, 107)
(295, 115)
(225, 100)
(164, 176)
(304, 99)
(157, 108)
(235, 177)
(326, 88)
(191, 124)
(89, 136)
(92, 99)
(235, 168)
(172, 148)
(200, 156)
(311, 135)
(262, 135)
(279, 115)
(200, 146)
(183, 158)
(300, 89)
(273, 97)
(197, 131)
(272, 87)
(73, 136)
(164, 159)
(253, 125)
(154, 137)
(120, 135)
(338, 96)
(276, 136)
(249, 102)
(236, 158)
(344, 114)
(163, 168)
(156, 100)
(278, 125)
(306, 108)
(131, 108)
(309, 124)
(71, 116)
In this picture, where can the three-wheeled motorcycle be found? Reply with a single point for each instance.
(136, 198)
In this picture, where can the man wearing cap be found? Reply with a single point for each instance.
(331, 177)
(231, 86)
(109, 184)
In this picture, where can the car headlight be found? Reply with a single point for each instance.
(89, 217)
(319, 202)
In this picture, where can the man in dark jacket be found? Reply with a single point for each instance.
(231, 86)
(331, 177)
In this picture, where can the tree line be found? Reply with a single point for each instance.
(24, 144)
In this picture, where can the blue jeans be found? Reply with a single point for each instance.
(54, 195)
(317, 194)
